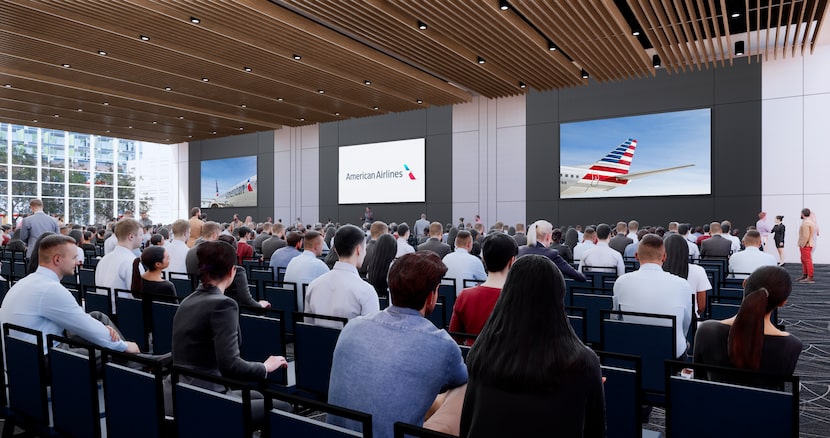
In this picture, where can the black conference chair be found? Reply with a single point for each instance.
(134, 399)
(404, 430)
(313, 354)
(27, 379)
(578, 318)
(200, 412)
(282, 424)
(98, 299)
(76, 411)
(162, 327)
(593, 305)
(283, 299)
(264, 336)
(131, 320)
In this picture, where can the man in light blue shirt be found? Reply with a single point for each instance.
(281, 257)
(393, 363)
(461, 265)
(306, 267)
(341, 292)
(41, 303)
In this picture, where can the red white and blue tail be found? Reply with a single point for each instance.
(616, 162)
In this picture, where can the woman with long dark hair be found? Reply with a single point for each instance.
(750, 340)
(529, 375)
(677, 263)
(564, 250)
(382, 255)
(150, 284)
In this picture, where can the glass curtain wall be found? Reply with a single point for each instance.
(81, 178)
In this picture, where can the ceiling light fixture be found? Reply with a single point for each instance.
(195, 20)
(65, 65)
(419, 101)
(56, 115)
(551, 46)
(481, 60)
(34, 120)
(213, 132)
(8, 85)
(80, 110)
(243, 106)
(102, 53)
(280, 99)
(739, 48)
(302, 119)
(635, 32)
(736, 14)
(522, 85)
(422, 25)
(247, 69)
(241, 128)
(155, 122)
(131, 127)
(367, 82)
(375, 108)
(106, 104)
(336, 114)
(584, 74)
(168, 88)
(205, 79)
(297, 57)
(321, 91)
(181, 117)
(655, 61)
(503, 5)
(144, 38)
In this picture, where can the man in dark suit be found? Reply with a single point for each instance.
(620, 241)
(434, 243)
(36, 224)
(275, 242)
(716, 246)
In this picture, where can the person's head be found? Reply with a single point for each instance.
(78, 235)
(520, 228)
(313, 242)
(683, 229)
(436, 230)
(762, 215)
(652, 250)
(350, 244)
(752, 238)
(590, 235)
(571, 237)
(621, 227)
(673, 226)
(498, 251)
(210, 231)
(157, 240)
(530, 307)
(244, 233)
(195, 212)
(165, 232)
(715, 228)
(267, 228)
(779, 219)
(87, 237)
(805, 212)
(181, 229)
(539, 232)
(403, 230)
(278, 230)
(378, 264)
(726, 227)
(633, 226)
(217, 263)
(378, 228)
(155, 258)
(143, 215)
(128, 214)
(36, 205)
(129, 233)
(464, 240)
(57, 252)
(677, 256)
(294, 239)
(423, 215)
(603, 232)
(766, 289)
(414, 279)
(556, 235)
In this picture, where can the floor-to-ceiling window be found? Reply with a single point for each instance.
(82, 178)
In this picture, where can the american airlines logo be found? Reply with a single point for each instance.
(380, 174)
(411, 175)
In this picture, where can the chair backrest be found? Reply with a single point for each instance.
(285, 299)
(728, 409)
(600, 277)
(623, 402)
(4, 287)
(593, 305)
(183, 283)
(260, 276)
(638, 334)
(470, 282)
(438, 316)
(162, 314)
(578, 318)
(447, 290)
(262, 337)
(721, 310)
(200, 412)
(98, 298)
(280, 274)
(313, 354)
(131, 320)
(403, 430)
(75, 404)
(133, 399)
(284, 424)
(26, 373)
(86, 276)
(383, 302)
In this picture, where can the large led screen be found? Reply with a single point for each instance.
(229, 182)
(661, 154)
(382, 172)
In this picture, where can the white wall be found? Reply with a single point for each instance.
(488, 160)
(796, 132)
(297, 174)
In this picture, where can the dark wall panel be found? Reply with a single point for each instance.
(260, 144)
(733, 94)
(434, 124)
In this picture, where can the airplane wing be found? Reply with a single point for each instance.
(652, 172)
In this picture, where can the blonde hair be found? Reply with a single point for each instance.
(537, 231)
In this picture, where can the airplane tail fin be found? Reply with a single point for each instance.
(618, 161)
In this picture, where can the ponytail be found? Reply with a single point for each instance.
(135, 287)
(746, 336)
(531, 234)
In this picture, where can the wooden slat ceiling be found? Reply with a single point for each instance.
(189, 81)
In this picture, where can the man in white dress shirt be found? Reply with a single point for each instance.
(341, 292)
(461, 265)
(603, 258)
(745, 262)
(588, 243)
(403, 241)
(115, 270)
(652, 290)
(178, 246)
(306, 267)
(726, 232)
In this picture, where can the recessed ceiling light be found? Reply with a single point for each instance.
(375, 108)
(65, 65)
(166, 139)
(34, 120)
(419, 101)
(522, 85)
(321, 91)
(243, 106)
(481, 60)
(367, 82)
(205, 79)
(80, 110)
(213, 132)
(195, 20)
(102, 53)
(189, 136)
(241, 128)
(422, 25)
(168, 88)
(302, 119)
(552, 47)
(8, 85)
(56, 115)
(736, 14)
(144, 38)
(108, 130)
(280, 99)
(635, 32)
(336, 114)
(584, 74)
(297, 57)
(247, 69)
(181, 117)
(503, 5)
(155, 122)
(131, 127)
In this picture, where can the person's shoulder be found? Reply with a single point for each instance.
(712, 328)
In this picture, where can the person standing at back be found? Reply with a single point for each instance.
(36, 224)
(195, 226)
(806, 240)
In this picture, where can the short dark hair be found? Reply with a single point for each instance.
(683, 229)
(46, 245)
(496, 250)
(413, 277)
(310, 236)
(215, 261)
(403, 228)
(603, 231)
(164, 232)
(243, 231)
(806, 212)
(156, 239)
(650, 246)
(292, 238)
(194, 211)
(347, 238)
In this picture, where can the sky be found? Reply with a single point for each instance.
(228, 172)
(663, 140)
